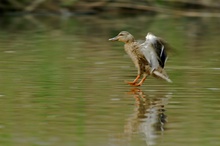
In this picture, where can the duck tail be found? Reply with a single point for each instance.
(162, 76)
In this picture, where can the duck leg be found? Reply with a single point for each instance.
(135, 80)
(142, 80)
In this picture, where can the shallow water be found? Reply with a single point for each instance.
(63, 83)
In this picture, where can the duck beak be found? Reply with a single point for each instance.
(113, 39)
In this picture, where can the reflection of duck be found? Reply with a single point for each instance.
(149, 57)
(149, 115)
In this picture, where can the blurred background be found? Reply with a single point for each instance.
(63, 83)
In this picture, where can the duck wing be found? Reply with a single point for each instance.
(147, 48)
(159, 46)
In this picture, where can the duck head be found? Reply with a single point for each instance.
(123, 36)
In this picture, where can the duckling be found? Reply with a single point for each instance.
(149, 57)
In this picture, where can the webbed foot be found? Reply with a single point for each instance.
(131, 83)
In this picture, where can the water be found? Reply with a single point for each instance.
(63, 83)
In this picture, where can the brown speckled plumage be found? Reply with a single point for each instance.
(149, 57)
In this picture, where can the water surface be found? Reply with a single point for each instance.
(63, 83)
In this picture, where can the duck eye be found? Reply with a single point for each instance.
(120, 34)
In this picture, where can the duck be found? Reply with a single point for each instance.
(149, 56)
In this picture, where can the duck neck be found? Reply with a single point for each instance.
(131, 40)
